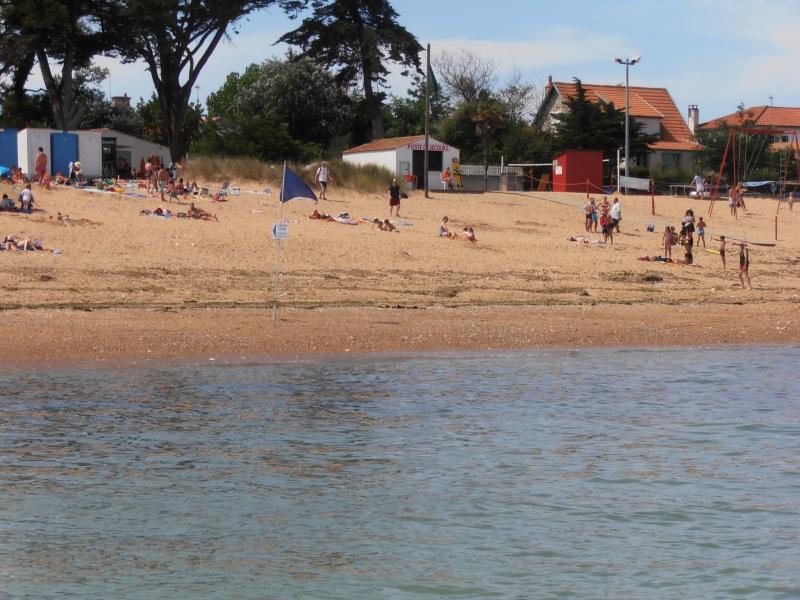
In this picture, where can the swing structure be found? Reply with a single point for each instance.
(745, 160)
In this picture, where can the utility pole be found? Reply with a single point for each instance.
(628, 62)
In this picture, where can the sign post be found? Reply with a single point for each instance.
(280, 232)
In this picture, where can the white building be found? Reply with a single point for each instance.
(101, 152)
(405, 156)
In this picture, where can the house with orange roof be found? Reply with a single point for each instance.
(652, 107)
(405, 156)
(784, 120)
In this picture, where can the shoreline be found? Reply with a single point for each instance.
(121, 338)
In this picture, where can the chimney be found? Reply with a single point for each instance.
(694, 118)
(121, 101)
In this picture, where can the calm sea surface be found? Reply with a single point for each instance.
(591, 474)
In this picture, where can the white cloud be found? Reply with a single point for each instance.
(555, 47)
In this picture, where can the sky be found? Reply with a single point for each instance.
(712, 53)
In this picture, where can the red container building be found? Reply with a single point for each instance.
(573, 168)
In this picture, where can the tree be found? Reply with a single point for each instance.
(464, 74)
(406, 115)
(489, 120)
(152, 121)
(296, 91)
(358, 38)
(68, 32)
(175, 39)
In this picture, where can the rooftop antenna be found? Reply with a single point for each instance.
(771, 100)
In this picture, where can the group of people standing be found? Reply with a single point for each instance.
(607, 215)
(686, 239)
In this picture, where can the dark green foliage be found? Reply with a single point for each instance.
(358, 38)
(406, 115)
(68, 32)
(750, 153)
(279, 109)
(175, 39)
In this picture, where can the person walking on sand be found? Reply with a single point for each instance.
(394, 198)
(722, 249)
(744, 265)
(323, 176)
(699, 185)
(41, 165)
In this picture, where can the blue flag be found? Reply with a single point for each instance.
(294, 187)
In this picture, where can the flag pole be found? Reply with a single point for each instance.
(278, 257)
(427, 114)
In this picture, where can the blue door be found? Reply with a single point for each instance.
(8, 147)
(63, 150)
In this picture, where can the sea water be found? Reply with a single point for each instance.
(552, 474)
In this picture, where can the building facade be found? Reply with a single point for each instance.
(405, 156)
(652, 107)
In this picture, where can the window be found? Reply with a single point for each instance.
(671, 160)
(785, 138)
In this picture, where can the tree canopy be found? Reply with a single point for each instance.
(176, 39)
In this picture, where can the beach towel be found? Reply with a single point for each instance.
(345, 220)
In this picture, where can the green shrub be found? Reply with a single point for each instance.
(368, 178)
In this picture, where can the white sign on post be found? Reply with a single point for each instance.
(280, 231)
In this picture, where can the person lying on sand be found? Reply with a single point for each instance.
(199, 213)
(14, 243)
(321, 216)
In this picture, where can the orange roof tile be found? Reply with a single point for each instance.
(645, 102)
(763, 116)
(385, 144)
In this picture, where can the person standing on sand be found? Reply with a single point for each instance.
(701, 232)
(394, 198)
(722, 249)
(616, 214)
(323, 176)
(791, 200)
(666, 239)
(699, 185)
(41, 165)
(744, 265)
(588, 209)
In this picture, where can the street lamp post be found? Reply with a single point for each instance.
(628, 62)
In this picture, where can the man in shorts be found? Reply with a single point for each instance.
(394, 198)
(41, 165)
(322, 177)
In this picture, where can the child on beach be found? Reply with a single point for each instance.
(744, 265)
(444, 230)
(468, 234)
(722, 249)
(667, 241)
(701, 232)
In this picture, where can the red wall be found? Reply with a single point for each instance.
(576, 167)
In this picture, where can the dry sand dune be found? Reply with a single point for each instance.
(128, 286)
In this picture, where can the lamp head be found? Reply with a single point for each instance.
(618, 60)
(635, 59)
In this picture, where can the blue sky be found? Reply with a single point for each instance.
(706, 52)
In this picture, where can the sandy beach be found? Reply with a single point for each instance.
(130, 288)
